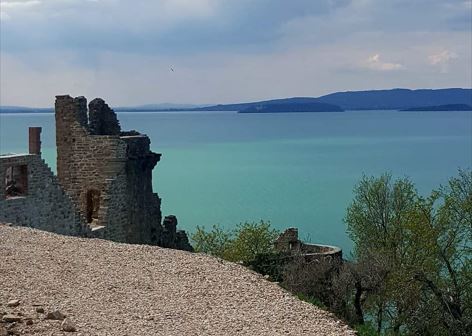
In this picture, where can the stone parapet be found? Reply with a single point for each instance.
(289, 244)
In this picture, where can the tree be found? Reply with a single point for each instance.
(375, 224)
(252, 239)
(412, 255)
(214, 242)
(446, 220)
(243, 244)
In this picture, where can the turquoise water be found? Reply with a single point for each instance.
(294, 169)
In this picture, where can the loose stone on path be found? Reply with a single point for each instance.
(104, 286)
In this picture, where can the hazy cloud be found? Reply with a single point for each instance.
(224, 50)
(443, 57)
(375, 63)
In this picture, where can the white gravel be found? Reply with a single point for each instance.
(107, 288)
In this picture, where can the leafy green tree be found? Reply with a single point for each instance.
(413, 256)
(252, 239)
(242, 244)
(375, 224)
(443, 227)
(215, 242)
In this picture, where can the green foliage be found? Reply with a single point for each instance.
(272, 264)
(313, 300)
(214, 242)
(411, 272)
(375, 216)
(242, 244)
(251, 239)
(413, 255)
(366, 329)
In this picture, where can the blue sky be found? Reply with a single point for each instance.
(228, 50)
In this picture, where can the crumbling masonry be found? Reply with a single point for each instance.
(104, 181)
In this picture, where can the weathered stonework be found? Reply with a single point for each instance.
(44, 205)
(104, 182)
(289, 243)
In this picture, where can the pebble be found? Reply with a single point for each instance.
(11, 318)
(55, 315)
(13, 303)
(68, 325)
(185, 293)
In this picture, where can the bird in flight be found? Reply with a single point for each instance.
(172, 69)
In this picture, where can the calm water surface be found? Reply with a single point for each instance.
(295, 169)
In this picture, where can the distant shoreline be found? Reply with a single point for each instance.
(392, 99)
(243, 112)
(449, 107)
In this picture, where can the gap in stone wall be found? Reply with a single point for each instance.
(16, 181)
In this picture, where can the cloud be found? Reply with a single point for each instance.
(14, 5)
(442, 57)
(6, 4)
(375, 63)
(227, 51)
(148, 26)
(442, 60)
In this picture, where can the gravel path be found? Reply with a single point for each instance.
(107, 288)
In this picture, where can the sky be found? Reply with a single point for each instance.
(221, 51)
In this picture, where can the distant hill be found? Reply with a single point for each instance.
(450, 107)
(293, 107)
(22, 109)
(158, 107)
(397, 99)
(244, 106)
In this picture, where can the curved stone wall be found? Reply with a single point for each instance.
(289, 243)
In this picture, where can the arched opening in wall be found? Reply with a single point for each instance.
(93, 205)
(16, 181)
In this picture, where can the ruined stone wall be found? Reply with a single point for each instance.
(90, 164)
(102, 119)
(44, 204)
(96, 160)
(104, 183)
(144, 205)
(288, 242)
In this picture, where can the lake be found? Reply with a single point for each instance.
(296, 169)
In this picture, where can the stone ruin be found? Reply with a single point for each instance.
(289, 244)
(103, 186)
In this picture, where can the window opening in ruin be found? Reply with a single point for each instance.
(16, 181)
(93, 205)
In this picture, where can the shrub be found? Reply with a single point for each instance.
(214, 242)
(366, 330)
(242, 244)
(250, 240)
(271, 264)
(311, 299)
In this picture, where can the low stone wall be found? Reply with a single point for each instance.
(41, 203)
(316, 251)
(289, 243)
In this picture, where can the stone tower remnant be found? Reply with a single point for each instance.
(108, 173)
(103, 186)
